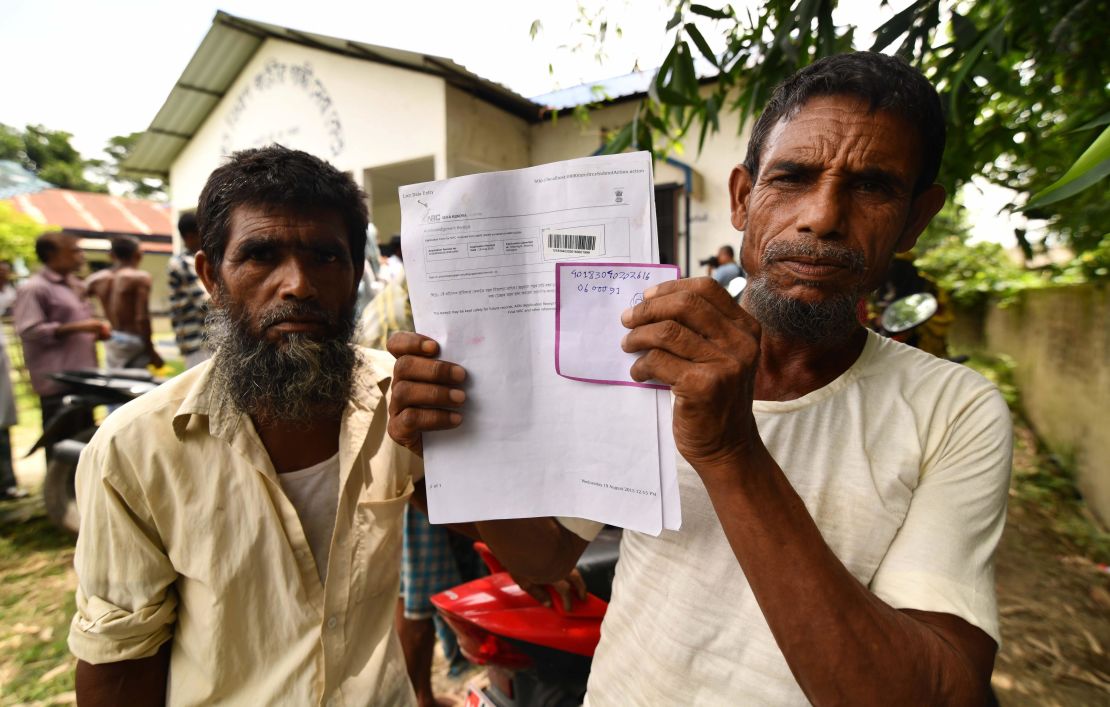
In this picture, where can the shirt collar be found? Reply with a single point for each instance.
(207, 399)
(53, 276)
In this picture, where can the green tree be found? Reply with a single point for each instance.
(1016, 77)
(49, 154)
(118, 148)
(18, 233)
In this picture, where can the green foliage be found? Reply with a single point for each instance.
(118, 148)
(1093, 264)
(1016, 77)
(951, 221)
(1000, 371)
(17, 233)
(1089, 169)
(49, 154)
(973, 273)
(1044, 479)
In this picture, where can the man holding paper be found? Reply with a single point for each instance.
(842, 494)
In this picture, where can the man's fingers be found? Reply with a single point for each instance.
(563, 588)
(689, 307)
(705, 287)
(428, 370)
(410, 422)
(662, 366)
(670, 336)
(536, 591)
(577, 583)
(408, 394)
(409, 343)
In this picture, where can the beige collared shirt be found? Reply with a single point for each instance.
(186, 536)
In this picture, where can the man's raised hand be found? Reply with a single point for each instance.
(426, 393)
(703, 345)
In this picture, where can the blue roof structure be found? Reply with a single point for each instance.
(15, 179)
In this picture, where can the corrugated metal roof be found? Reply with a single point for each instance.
(87, 213)
(230, 44)
(615, 88)
(597, 91)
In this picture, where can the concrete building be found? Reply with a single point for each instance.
(392, 117)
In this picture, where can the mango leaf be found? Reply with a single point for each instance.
(969, 62)
(709, 12)
(1092, 166)
(619, 143)
(669, 95)
(1101, 120)
(896, 26)
(964, 31)
(677, 19)
(703, 46)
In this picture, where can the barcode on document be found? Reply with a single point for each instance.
(571, 241)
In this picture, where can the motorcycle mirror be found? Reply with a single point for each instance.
(906, 313)
(736, 285)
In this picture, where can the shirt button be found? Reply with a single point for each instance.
(332, 623)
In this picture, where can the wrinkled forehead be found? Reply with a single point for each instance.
(845, 130)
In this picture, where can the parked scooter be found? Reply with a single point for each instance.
(92, 388)
(535, 655)
(902, 316)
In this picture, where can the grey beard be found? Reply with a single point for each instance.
(299, 381)
(815, 322)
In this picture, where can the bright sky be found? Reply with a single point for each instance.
(98, 69)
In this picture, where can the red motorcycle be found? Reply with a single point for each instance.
(534, 655)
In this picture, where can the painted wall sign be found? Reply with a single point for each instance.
(284, 103)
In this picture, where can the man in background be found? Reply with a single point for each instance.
(394, 266)
(124, 294)
(727, 270)
(188, 300)
(9, 488)
(56, 323)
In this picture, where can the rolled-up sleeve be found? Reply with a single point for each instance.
(30, 318)
(126, 604)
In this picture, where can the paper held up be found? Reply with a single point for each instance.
(589, 300)
(480, 258)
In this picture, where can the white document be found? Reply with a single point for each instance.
(589, 300)
(480, 255)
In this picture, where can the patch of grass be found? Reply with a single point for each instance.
(36, 606)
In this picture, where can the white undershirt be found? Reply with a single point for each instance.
(314, 492)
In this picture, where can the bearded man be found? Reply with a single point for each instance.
(842, 494)
(241, 524)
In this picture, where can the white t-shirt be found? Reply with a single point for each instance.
(314, 492)
(903, 462)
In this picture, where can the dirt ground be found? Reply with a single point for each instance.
(1054, 606)
(1054, 603)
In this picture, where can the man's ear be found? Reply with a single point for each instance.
(205, 272)
(739, 189)
(923, 208)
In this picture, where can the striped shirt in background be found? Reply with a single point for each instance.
(188, 304)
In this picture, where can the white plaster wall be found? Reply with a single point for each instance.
(384, 115)
(709, 209)
(482, 137)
